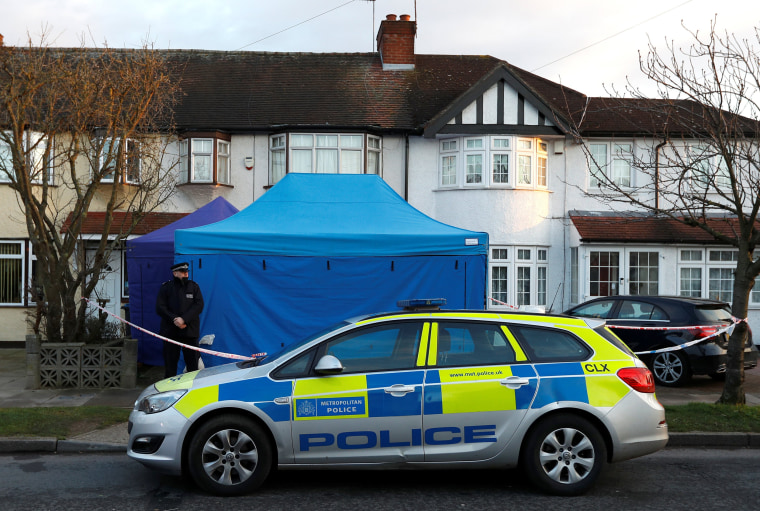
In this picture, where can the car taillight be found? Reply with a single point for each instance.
(701, 332)
(638, 378)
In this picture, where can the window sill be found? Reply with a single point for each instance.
(205, 184)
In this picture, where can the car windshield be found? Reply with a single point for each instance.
(713, 314)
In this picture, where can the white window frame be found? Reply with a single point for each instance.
(22, 274)
(608, 163)
(374, 155)
(34, 150)
(223, 162)
(190, 149)
(502, 147)
(307, 153)
(515, 260)
(523, 179)
(277, 151)
(200, 152)
(526, 160)
(474, 149)
(449, 153)
(128, 156)
(542, 164)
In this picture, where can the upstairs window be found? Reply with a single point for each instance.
(35, 147)
(610, 164)
(493, 161)
(328, 153)
(205, 160)
(709, 171)
(116, 155)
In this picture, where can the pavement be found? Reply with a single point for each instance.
(14, 394)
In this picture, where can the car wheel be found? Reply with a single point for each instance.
(229, 455)
(670, 368)
(564, 455)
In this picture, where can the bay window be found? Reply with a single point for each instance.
(483, 162)
(205, 160)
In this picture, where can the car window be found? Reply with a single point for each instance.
(377, 348)
(631, 309)
(601, 309)
(461, 343)
(549, 345)
(713, 313)
(295, 368)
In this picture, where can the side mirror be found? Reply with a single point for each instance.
(329, 365)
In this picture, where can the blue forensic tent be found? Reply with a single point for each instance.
(319, 248)
(149, 258)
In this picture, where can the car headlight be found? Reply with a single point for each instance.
(159, 402)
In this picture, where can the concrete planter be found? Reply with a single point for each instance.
(79, 365)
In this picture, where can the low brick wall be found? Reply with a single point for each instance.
(79, 365)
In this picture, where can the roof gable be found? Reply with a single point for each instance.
(507, 96)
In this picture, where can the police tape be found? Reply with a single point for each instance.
(504, 304)
(662, 350)
(196, 348)
(729, 328)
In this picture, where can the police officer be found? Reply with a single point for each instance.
(179, 303)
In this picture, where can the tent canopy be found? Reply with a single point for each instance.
(331, 215)
(149, 258)
(319, 248)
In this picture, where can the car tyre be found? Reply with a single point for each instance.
(671, 368)
(564, 455)
(229, 455)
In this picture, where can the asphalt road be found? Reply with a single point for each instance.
(673, 479)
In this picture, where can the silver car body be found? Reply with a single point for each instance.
(425, 416)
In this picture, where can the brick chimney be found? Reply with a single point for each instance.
(1, 39)
(395, 42)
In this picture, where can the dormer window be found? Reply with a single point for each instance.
(205, 160)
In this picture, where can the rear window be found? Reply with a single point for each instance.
(549, 345)
(713, 314)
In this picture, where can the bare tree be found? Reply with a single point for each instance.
(700, 160)
(81, 130)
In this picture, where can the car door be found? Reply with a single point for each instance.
(637, 323)
(478, 388)
(369, 412)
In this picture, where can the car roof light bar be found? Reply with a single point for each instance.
(421, 303)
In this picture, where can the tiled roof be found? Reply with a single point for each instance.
(242, 91)
(152, 221)
(642, 228)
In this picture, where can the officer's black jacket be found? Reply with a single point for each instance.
(183, 299)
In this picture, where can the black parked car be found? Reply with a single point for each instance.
(670, 368)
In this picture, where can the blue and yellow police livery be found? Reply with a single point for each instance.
(420, 388)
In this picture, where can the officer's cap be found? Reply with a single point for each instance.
(180, 267)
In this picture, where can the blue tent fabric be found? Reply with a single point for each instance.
(319, 248)
(149, 258)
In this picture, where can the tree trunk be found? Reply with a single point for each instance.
(733, 390)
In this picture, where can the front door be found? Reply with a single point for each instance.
(630, 271)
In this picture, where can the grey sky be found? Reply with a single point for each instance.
(530, 35)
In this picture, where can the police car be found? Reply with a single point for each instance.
(420, 388)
